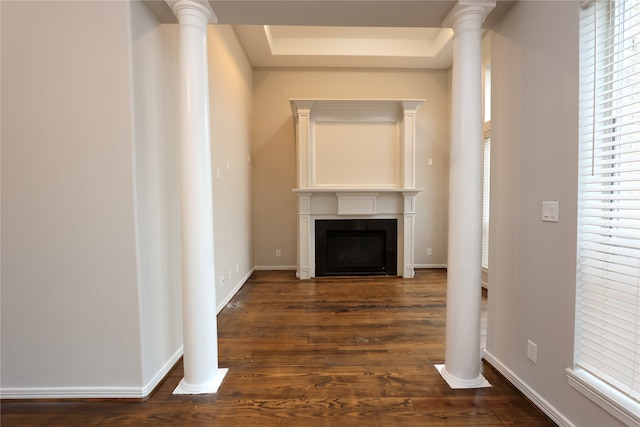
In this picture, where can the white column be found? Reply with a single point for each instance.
(410, 109)
(200, 334)
(304, 169)
(304, 144)
(306, 266)
(408, 229)
(462, 358)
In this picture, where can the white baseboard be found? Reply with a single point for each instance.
(71, 393)
(534, 397)
(222, 304)
(274, 267)
(162, 373)
(99, 392)
(293, 267)
(429, 265)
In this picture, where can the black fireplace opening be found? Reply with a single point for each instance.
(356, 247)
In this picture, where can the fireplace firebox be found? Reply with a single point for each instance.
(356, 247)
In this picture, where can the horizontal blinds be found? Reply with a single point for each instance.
(608, 269)
(486, 166)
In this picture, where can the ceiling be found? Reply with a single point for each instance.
(339, 33)
(373, 47)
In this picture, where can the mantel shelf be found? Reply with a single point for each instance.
(358, 190)
(356, 109)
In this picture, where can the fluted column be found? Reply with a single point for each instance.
(200, 329)
(462, 358)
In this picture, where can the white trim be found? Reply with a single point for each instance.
(460, 383)
(524, 388)
(112, 392)
(357, 203)
(71, 393)
(93, 392)
(293, 267)
(162, 373)
(274, 267)
(209, 387)
(617, 404)
(430, 266)
(222, 304)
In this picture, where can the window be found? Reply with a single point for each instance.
(486, 164)
(607, 336)
(486, 168)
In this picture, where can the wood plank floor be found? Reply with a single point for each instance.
(326, 352)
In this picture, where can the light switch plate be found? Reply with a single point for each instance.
(550, 211)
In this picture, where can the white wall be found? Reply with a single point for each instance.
(69, 279)
(230, 91)
(154, 58)
(534, 158)
(274, 204)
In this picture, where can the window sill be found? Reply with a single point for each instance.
(611, 400)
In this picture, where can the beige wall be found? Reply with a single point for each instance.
(69, 295)
(91, 296)
(534, 158)
(230, 99)
(274, 167)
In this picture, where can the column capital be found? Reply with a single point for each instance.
(464, 10)
(202, 6)
(411, 106)
(301, 106)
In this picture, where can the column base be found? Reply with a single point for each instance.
(209, 387)
(409, 272)
(304, 274)
(455, 382)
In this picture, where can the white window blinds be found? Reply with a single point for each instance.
(607, 340)
(486, 170)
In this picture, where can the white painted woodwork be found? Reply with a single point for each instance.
(357, 203)
(462, 357)
(355, 159)
(200, 334)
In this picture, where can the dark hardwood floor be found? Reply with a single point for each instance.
(325, 352)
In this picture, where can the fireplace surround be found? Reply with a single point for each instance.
(355, 161)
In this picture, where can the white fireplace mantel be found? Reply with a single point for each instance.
(355, 159)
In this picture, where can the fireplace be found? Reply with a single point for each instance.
(355, 171)
(346, 247)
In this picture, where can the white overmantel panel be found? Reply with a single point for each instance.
(355, 143)
(355, 159)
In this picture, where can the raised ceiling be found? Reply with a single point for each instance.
(339, 33)
(373, 47)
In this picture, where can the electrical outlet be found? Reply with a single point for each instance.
(429, 252)
(278, 252)
(221, 281)
(532, 351)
